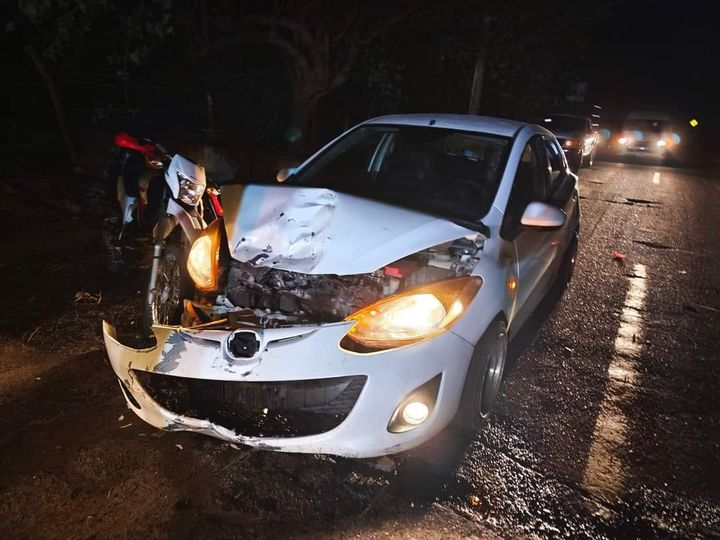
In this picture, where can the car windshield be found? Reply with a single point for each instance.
(450, 173)
(573, 123)
(654, 126)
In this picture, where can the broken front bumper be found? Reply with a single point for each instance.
(299, 392)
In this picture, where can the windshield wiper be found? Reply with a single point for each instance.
(478, 226)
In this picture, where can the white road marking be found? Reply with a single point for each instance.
(656, 178)
(605, 473)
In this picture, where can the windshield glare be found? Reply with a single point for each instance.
(655, 126)
(451, 173)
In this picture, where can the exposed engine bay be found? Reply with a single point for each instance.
(268, 297)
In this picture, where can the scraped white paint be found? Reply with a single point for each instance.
(319, 231)
(656, 178)
(605, 472)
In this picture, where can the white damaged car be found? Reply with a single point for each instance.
(364, 303)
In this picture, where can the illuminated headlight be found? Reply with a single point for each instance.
(661, 143)
(570, 143)
(190, 189)
(412, 315)
(204, 256)
(623, 140)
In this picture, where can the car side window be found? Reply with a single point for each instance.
(557, 162)
(531, 184)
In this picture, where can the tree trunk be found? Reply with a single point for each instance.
(303, 109)
(479, 76)
(57, 105)
(210, 112)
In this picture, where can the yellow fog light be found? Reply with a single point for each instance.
(415, 412)
(416, 408)
(202, 263)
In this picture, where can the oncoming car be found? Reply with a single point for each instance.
(365, 303)
(648, 134)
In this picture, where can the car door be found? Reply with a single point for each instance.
(562, 194)
(537, 250)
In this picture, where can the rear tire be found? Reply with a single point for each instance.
(576, 163)
(590, 159)
(567, 266)
(484, 378)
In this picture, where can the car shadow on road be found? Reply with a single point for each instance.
(430, 472)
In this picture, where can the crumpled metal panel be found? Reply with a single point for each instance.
(319, 231)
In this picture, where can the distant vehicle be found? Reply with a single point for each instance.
(576, 135)
(366, 302)
(647, 133)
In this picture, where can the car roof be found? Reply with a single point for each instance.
(465, 122)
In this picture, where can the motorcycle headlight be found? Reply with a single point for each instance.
(204, 256)
(190, 190)
(413, 315)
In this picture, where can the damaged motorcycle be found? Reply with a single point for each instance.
(168, 198)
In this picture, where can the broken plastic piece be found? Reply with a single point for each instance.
(619, 256)
(401, 269)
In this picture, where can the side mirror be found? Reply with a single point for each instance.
(284, 174)
(540, 215)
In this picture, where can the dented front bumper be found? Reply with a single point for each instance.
(299, 392)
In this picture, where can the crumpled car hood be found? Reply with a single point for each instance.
(319, 231)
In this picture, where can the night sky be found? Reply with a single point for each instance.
(658, 55)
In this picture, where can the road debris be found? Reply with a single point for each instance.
(179, 446)
(619, 257)
(85, 297)
(385, 464)
(692, 306)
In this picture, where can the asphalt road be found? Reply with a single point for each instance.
(608, 425)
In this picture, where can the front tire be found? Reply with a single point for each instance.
(484, 378)
(164, 304)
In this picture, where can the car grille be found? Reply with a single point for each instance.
(272, 409)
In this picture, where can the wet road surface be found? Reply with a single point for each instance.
(608, 425)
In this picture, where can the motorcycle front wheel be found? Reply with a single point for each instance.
(164, 303)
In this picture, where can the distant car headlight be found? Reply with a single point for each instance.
(661, 143)
(570, 143)
(623, 140)
(190, 189)
(204, 256)
(413, 315)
